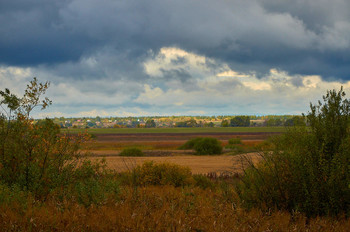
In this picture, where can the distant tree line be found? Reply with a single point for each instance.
(294, 121)
(188, 123)
(181, 121)
(238, 121)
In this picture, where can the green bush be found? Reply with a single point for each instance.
(203, 146)
(95, 191)
(190, 143)
(208, 146)
(90, 184)
(151, 173)
(133, 151)
(308, 169)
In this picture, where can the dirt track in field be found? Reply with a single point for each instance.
(198, 164)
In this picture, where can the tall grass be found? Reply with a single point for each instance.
(156, 208)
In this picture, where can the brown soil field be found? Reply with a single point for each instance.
(198, 164)
(182, 136)
(166, 141)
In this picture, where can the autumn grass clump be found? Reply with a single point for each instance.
(150, 173)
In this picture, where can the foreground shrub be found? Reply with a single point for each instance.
(37, 159)
(93, 184)
(132, 151)
(308, 170)
(150, 173)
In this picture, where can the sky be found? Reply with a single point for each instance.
(184, 57)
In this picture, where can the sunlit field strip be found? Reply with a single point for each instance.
(175, 130)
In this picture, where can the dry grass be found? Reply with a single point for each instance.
(198, 164)
(160, 209)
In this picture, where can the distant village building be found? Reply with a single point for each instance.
(78, 124)
(109, 124)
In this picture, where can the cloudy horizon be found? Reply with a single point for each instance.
(156, 57)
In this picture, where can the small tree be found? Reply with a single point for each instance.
(34, 156)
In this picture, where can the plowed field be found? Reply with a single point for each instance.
(167, 141)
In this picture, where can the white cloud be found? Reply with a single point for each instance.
(170, 58)
(277, 92)
(15, 78)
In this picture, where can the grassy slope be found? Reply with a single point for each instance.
(176, 130)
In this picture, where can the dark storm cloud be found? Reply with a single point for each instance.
(315, 14)
(31, 34)
(300, 37)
